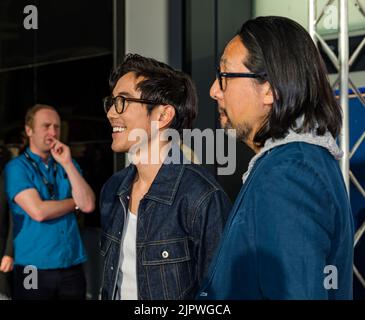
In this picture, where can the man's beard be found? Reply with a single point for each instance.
(243, 130)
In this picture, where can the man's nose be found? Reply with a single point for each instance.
(112, 114)
(215, 90)
(53, 131)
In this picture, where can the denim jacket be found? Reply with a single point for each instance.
(290, 232)
(180, 220)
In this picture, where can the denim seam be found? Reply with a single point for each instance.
(148, 282)
(110, 237)
(103, 252)
(202, 176)
(157, 242)
(169, 201)
(106, 260)
(164, 284)
(177, 278)
(145, 226)
(203, 198)
(163, 262)
(182, 295)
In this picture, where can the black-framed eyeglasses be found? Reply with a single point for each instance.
(222, 75)
(119, 103)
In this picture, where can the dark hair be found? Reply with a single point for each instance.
(163, 84)
(283, 50)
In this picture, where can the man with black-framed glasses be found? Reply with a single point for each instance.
(161, 220)
(290, 234)
(45, 189)
(222, 76)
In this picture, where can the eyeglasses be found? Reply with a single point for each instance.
(222, 75)
(119, 103)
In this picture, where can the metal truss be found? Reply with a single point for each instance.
(343, 63)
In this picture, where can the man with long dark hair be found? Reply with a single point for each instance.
(290, 233)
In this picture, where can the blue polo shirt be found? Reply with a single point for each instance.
(51, 244)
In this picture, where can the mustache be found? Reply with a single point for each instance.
(222, 112)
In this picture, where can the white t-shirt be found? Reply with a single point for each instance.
(128, 289)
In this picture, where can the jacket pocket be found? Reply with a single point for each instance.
(168, 270)
(165, 252)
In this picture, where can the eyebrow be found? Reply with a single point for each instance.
(125, 94)
(49, 124)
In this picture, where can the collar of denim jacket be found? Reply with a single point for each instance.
(326, 141)
(126, 183)
(166, 182)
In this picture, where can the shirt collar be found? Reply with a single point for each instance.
(38, 159)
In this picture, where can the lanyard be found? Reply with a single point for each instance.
(49, 185)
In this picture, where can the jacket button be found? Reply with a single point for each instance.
(111, 268)
(165, 254)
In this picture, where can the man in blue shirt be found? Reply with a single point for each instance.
(290, 232)
(44, 189)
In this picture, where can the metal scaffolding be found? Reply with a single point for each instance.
(343, 64)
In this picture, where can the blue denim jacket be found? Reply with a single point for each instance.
(183, 214)
(290, 232)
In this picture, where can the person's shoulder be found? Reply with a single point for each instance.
(18, 176)
(296, 154)
(196, 174)
(292, 164)
(16, 163)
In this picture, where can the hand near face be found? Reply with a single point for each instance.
(60, 152)
(6, 264)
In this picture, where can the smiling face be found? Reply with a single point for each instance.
(244, 103)
(135, 115)
(42, 132)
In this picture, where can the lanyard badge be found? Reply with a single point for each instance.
(50, 186)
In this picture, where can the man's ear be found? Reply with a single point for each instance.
(268, 94)
(167, 114)
(28, 131)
